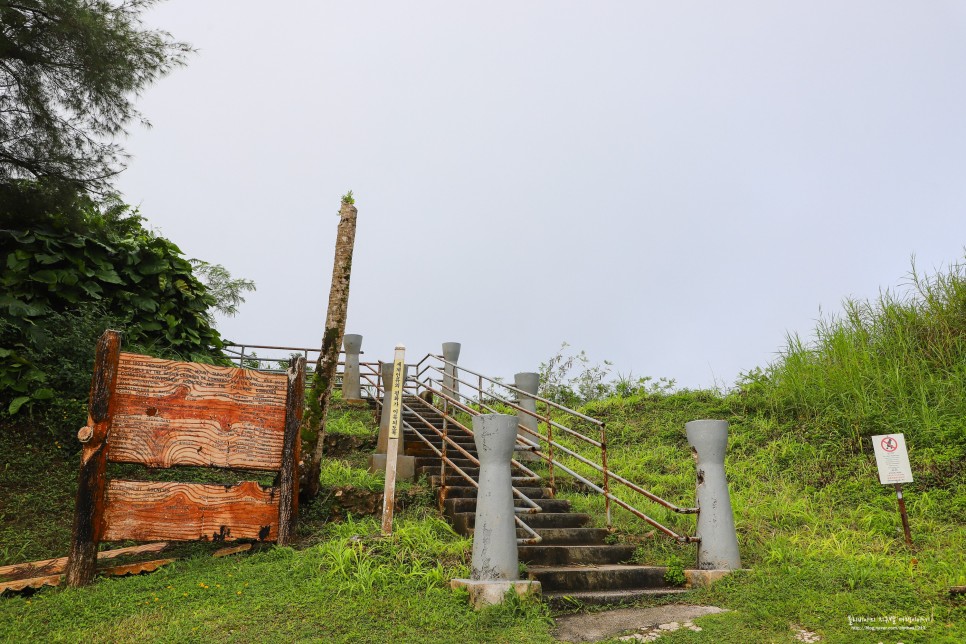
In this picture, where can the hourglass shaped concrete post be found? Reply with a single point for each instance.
(351, 388)
(451, 353)
(495, 566)
(405, 465)
(530, 383)
(718, 549)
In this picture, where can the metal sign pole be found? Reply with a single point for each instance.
(395, 430)
(902, 513)
(892, 461)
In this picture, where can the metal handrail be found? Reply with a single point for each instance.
(420, 380)
(445, 460)
(483, 400)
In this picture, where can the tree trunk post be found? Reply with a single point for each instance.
(324, 375)
(89, 509)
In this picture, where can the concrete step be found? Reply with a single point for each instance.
(463, 441)
(453, 506)
(469, 492)
(433, 461)
(567, 536)
(542, 555)
(464, 521)
(597, 577)
(560, 600)
(413, 448)
(457, 480)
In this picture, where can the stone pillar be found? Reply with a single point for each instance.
(530, 383)
(718, 549)
(351, 388)
(405, 465)
(495, 567)
(451, 353)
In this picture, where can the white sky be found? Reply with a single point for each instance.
(671, 186)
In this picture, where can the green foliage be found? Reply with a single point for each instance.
(421, 554)
(69, 69)
(570, 379)
(66, 276)
(674, 573)
(339, 473)
(348, 198)
(226, 290)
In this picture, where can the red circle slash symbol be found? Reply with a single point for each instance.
(889, 444)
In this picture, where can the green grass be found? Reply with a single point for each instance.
(362, 589)
(821, 536)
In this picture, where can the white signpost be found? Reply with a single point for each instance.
(395, 432)
(892, 459)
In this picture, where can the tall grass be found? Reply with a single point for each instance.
(896, 363)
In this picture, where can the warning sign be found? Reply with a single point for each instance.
(892, 459)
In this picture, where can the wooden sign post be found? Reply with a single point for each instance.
(892, 459)
(395, 431)
(162, 414)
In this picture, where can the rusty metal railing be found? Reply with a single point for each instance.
(447, 442)
(483, 396)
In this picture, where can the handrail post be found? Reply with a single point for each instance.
(603, 463)
(480, 390)
(451, 354)
(442, 462)
(351, 389)
(528, 382)
(718, 548)
(553, 484)
(495, 569)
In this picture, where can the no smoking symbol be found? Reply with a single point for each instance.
(889, 444)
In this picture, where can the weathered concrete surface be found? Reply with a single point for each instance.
(494, 535)
(351, 386)
(488, 593)
(530, 383)
(405, 465)
(718, 548)
(593, 627)
(451, 353)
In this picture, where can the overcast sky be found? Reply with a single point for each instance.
(670, 186)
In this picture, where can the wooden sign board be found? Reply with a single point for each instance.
(164, 413)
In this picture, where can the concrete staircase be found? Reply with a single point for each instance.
(575, 564)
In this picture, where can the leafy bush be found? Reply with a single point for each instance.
(69, 269)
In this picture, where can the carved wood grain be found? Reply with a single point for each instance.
(176, 413)
(149, 511)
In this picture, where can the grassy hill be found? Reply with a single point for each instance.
(821, 536)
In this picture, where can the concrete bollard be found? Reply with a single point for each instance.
(451, 353)
(495, 538)
(405, 465)
(495, 567)
(718, 549)
(351, 387)
(530, 383)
